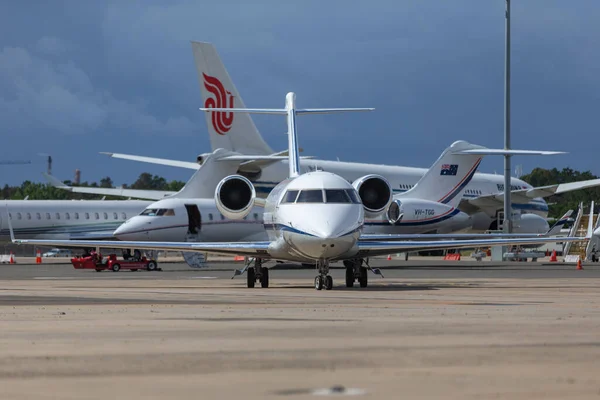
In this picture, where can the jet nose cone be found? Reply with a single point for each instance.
(131, 230)
(335, 224)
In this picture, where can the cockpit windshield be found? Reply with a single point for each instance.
(321, 196)
(310, 196)
(337, 196)
(153, 212)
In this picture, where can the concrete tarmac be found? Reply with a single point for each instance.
(428, 330)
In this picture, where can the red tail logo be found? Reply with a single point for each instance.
(221, 121)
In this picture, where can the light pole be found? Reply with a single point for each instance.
(507, 223)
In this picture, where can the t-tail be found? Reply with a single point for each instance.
(447, 178)
(227, 131)
(291, 112)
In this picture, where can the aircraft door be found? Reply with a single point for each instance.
(194, 219)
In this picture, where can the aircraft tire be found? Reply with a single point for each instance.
(264, 277)
(363, 279)
(251, 277)
(328, 282)
(350, 276)
(318, 282)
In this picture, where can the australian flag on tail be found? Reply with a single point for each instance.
(449, 169)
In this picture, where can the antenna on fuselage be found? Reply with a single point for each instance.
(291, 112)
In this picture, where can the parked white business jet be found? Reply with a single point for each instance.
(66, 219)
(98, 219)
(313, 217)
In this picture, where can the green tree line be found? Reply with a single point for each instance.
(43, 191)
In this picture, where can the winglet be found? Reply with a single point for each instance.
(10, 228)
(590, 230)
(56, 182)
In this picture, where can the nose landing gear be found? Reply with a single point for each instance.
(323, 280)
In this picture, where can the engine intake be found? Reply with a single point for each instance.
(375, 193)
(234, 196)
(395, 212)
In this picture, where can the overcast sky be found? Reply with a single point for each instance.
(79, 77)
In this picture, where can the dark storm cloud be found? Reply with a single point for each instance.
(120, 76)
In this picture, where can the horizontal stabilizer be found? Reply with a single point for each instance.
(503, 152)
(331, 110)
(283, 111)
(275, 111)
(154, 160)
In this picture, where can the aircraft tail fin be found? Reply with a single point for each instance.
(447, 178)
(555, 229)
(229, 131)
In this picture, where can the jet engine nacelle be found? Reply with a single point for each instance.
(416, 210)
(234, 196)
(530, 223)
(375, 193)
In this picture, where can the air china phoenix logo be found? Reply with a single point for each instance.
(221, 121)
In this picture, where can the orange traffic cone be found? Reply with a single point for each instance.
(12, 258)
(389, 257)
(579, 264)
(553, 256)
(38, 257)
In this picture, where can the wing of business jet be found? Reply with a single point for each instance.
(366, 248)
(135, 193)
(246, 162)
(525, 195)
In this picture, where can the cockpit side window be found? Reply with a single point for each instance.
(151, 212)
(353, 196)
(337, 196)
(310, 196)
(290, 196)
(166, 212)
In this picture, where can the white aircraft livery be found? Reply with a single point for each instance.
(66, 219)
(312, 217)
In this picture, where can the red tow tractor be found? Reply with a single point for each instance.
(95, 261)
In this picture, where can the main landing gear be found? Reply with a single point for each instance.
(356, 272)
(258, 273)
(323, 280)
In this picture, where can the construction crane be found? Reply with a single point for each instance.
(14, 162)
(49, 161)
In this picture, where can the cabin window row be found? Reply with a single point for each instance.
(67, 216)
(473, 191)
